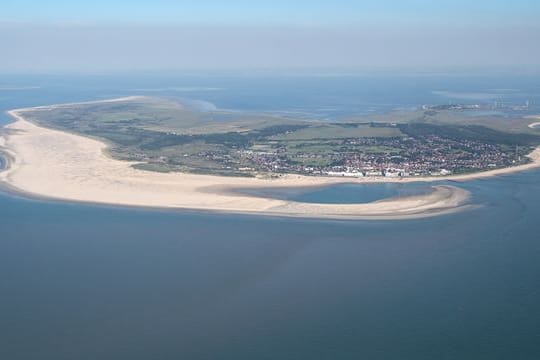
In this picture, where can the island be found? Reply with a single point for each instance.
(166, 153)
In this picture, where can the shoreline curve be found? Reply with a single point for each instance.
(53, 164)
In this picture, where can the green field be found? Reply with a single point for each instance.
(339, 131)
(164, 134)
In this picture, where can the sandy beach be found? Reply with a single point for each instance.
(59, 165)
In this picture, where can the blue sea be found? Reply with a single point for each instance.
(93, 282)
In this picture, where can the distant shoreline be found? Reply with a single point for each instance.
(53, 164)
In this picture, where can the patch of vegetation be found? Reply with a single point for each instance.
(164, 135)
(339, 131)
(470, 132)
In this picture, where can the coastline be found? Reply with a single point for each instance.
(52, 164)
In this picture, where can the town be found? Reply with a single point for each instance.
(407, 156)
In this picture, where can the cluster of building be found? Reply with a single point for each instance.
(429, 155)
(496, 105)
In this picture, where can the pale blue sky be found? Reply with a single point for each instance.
(108, 35)
(315, 12)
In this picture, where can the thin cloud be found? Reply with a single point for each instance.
(113, 48)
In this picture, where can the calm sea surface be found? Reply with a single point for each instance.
(92, 282)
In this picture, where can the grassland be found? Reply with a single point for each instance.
(338, 131)
(508, 123)
(165, 135)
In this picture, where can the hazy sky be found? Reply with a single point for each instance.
(107, 35)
